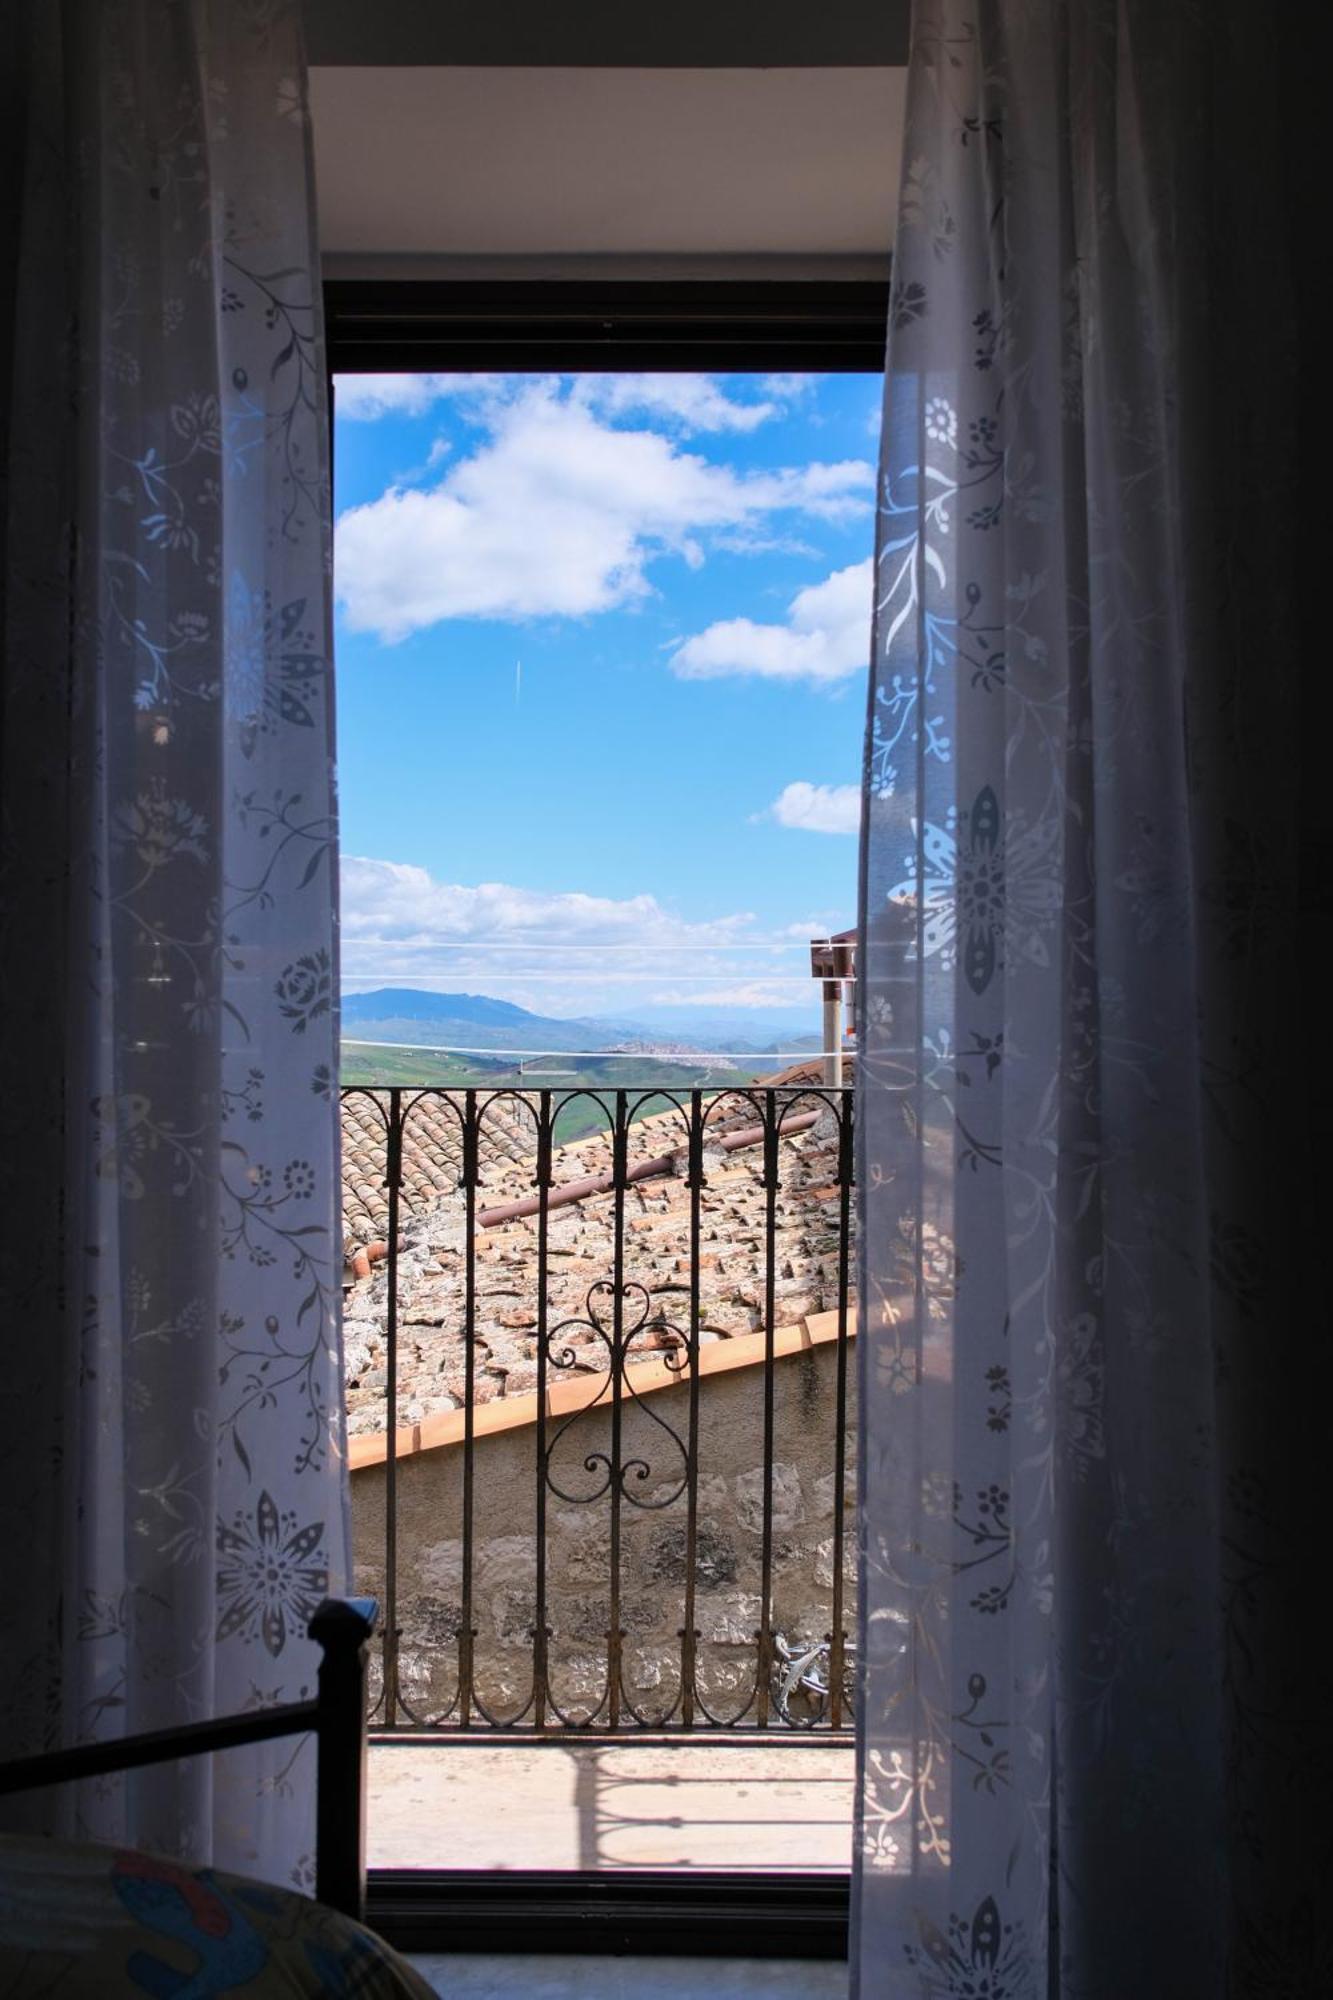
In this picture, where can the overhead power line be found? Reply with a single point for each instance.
(625, 1055)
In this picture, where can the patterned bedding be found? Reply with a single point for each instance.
(81, 1921)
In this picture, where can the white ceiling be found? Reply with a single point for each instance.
(426, 164)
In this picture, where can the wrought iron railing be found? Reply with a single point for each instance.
(653, 1530)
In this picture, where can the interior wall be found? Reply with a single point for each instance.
(697, 33)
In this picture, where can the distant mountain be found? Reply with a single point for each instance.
(420, 1019)
(412, 1003)
(470, 1020)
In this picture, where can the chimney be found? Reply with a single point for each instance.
(833, 960)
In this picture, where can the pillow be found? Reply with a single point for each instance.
(80, 1920)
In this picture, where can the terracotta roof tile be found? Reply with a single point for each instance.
(432, 1156)
(657, 1256)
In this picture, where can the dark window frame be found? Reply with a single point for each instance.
(534, 325)
(647, 1912)
(540, 326)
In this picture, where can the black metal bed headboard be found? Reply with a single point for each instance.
(342, 1627)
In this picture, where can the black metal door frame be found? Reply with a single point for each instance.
(384, 326)
(444, 326)
(695, 1913)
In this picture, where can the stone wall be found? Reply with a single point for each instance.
(653, 1543)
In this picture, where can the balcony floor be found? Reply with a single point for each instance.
(482, 1977)
(783, 1803)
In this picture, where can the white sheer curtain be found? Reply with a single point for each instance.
(1084, 1729)
(173, 1491)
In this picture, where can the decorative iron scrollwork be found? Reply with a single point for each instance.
(604, 1300)
(805, 1671)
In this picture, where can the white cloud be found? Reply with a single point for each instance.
(817, 927)
(557, 514)
(434, 458)
(398, 901)
(750, 993)
(563, 952)
(695, 402)
(818, 808)
(363, 399)
(788, 387)
(826, 636)
(751, 542)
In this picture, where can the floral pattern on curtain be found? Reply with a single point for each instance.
(174, 1485)
(1077, 1732)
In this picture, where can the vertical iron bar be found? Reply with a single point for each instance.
(540, 1636)
(689, 1637)
(837, 1638)
(466, 1633)
(614, 1636)
(765, 1633)
(393, 1177)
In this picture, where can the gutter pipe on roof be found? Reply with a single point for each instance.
(641, 1170)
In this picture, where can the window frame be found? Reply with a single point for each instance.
(825, 326)
(537, 326)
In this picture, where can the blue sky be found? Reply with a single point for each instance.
(601, 652)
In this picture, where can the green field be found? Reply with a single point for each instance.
(418, 1066)
(411, 1068)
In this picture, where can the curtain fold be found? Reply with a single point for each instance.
(173, 1470)
(1086, 1720)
